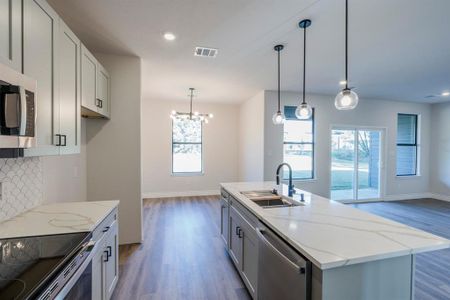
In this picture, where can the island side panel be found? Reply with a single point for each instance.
(391, 278)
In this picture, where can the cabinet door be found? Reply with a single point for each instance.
(103, 96)
(88, 80)
(112, 263)
(235, 241)
(11, 33)
(249, 258)
(40, 46)
(69, 90)
(98, 275)
(224, 221)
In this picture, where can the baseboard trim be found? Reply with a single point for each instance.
(440, 197)
(406, 196)
(180, 194)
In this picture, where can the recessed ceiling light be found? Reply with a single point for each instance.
(445, 94)
(342, 82)
(169, 36)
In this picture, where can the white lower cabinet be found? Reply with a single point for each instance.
(243, 247)
(105, 263)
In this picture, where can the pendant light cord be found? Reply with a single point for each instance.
(279, 83)
(346, 44)
(304, 65)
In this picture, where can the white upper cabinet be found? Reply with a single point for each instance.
(88, 80)
(69, 91)
(70, 81)
(40, 48)
(95, 87)
(103, 82)
(11, 33)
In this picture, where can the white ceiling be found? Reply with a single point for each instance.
(399, 49)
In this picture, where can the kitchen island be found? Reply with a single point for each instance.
(352, 254)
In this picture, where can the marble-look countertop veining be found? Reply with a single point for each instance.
(57, 218)
(332, 234)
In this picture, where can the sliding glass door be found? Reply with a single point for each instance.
(355, 163)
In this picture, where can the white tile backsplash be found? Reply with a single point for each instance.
(22, 185)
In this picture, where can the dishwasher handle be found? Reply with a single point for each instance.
(295, 264)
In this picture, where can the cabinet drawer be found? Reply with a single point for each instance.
(251, 219)
(104, 226)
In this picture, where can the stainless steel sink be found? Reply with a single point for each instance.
(269, 199)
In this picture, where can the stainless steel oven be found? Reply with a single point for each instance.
(17, 112)
(47, 267)
(74, 280)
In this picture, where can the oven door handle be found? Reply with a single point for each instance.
(70, 284)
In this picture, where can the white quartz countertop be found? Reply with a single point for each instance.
(57, 218)
(331, 234)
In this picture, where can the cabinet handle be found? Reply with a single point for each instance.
(106, 229)
(109, 250)
(64, 139)
(239, 233)
(107, 256)
(59, 140)
(101, 103)
(237, 230)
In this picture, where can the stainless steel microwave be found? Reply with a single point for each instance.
(17, 112)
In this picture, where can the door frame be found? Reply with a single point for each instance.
(383, 151)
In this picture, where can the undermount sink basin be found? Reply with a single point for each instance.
(269, 199)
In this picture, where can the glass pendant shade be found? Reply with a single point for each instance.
(346, 100)
(278, 118)
(303, 111)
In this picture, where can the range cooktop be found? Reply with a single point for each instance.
(28, 264)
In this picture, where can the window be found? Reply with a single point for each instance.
(298, 145)
(407, 145)
(186, 146)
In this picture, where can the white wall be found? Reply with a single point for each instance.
(114, 149)
(371, 113)
(251, 139)
(220, 143)
(64, 176)
(440, 153)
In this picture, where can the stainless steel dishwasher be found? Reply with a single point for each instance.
(283, 274)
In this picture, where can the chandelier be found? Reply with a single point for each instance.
(195, 116)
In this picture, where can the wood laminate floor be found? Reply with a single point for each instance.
(182, 257)
(432, 279)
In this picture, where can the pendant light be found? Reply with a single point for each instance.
(278, 117)
(304, 110)
(346, 99)
(195, 116)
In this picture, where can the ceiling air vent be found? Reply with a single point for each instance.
(205, 52)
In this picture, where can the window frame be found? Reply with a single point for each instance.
(201, 172)
(312, 143)
(415, 145)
